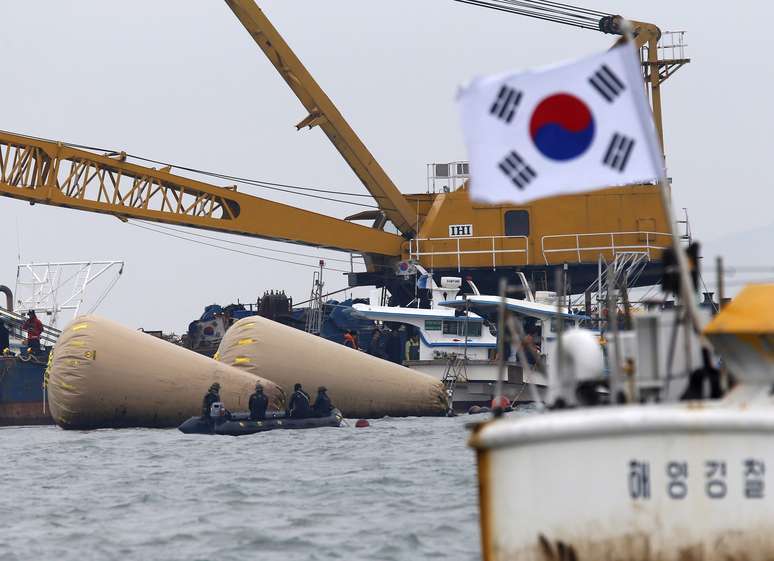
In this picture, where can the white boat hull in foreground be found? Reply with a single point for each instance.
(633, 483)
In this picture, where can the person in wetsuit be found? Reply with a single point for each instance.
(298, 406)
(212, 396)
(322, 404)
(258, 404)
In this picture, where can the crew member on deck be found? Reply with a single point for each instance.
(212, 396)
(350, 339)
(34, 329)
(412, 348)
(298, 406)
(376, 346)
(322, 403)
(258, 404)
(5, 337)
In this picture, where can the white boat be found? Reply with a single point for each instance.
(642, 482)
(459, 346)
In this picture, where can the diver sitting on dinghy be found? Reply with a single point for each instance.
(298, 406)
(258, 404)
(212, 396)
(322, 404)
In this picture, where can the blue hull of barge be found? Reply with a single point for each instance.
(21, 392)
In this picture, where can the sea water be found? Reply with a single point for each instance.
(401, 489)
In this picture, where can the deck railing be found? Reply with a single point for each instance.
(571, 247)
(649, 243)
(469, 246)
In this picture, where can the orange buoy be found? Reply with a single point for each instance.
(362, 423)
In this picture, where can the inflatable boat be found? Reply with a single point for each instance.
(238, 424)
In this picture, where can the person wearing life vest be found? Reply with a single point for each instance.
(502, 403)
(350, 339)
(34, 328)
(299, 406)
(258, 404)
(412, 348)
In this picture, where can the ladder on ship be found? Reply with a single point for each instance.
(314, 315)
(455, 372)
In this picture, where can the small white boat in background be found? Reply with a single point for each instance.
(681, 481)
(457, 340)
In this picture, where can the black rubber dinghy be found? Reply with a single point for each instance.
(240, 424)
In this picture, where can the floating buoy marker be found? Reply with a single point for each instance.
(362, 423)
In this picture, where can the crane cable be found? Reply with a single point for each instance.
(242, 244)
(581, 21)
(268, 185)
(546, 10)
(286, 188)
(234, 250)
(152, 226)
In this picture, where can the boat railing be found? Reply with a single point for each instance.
(461, 247)
(651, 244)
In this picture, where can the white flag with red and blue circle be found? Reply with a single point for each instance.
(563, 129)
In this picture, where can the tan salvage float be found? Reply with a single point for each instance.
(104, 375)
(360, 385)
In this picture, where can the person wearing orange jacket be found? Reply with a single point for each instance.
(350, 339)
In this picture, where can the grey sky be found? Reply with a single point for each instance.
(182, 81)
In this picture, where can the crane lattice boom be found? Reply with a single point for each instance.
(41, 171)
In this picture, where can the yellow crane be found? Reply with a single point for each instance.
(444, 231)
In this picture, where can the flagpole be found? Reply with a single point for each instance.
(498, 410)
(657, 159)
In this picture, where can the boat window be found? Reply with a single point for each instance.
(517, 223)
(452, 327)
(433, 325)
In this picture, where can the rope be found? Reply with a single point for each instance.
(546, 10)
(107, 291)
(261, 247)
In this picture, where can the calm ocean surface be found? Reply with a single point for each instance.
(402, 489)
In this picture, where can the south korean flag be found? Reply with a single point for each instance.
(563, 129)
